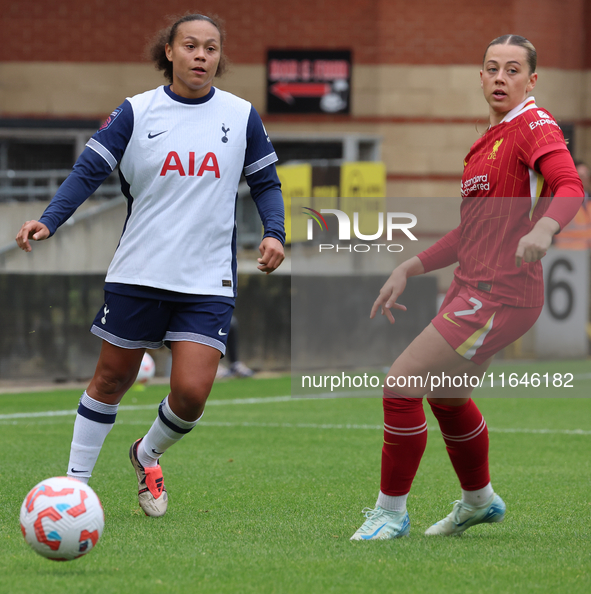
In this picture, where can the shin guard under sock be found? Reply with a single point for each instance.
(466, 438)
(405, 439)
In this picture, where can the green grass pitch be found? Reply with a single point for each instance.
(266, 491)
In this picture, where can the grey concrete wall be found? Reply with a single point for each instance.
(45, 321)
(85, 244)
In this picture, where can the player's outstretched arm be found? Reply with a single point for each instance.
(272, 254)
(533, 246)
(31, 230)
(394, 287)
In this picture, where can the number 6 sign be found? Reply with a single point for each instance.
(561, 329)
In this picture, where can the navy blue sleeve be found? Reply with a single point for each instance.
(100, 157)
(259, 150)
(265, 189)
(111, 139)
(88, 174)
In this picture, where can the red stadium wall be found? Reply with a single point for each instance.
(415, 82)
(379, 31)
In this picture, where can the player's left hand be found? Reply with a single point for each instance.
(272, 255)
(533, 246)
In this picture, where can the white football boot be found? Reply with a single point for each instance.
(152, 494)
(382, 524)
(463, 516)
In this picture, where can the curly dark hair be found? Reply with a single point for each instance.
(156, 48)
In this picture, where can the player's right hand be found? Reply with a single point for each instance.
(392, 289)
(31, 230)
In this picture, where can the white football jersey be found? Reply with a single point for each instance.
(180, 162)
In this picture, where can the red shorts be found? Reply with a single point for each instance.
(476, 328)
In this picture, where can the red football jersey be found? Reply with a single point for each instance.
(503, 197)
(501, 162)
(490, 231)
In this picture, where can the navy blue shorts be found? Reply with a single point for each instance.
(140, 323)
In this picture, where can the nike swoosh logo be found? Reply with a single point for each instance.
(72, 470)
(150, 135)
(368, 536)
(157, 453)
(446, 317)
(222, 333)
(491, 512)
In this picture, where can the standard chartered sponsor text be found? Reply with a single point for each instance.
(478, 182)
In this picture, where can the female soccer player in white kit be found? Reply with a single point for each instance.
(507, 223)
(181, 150)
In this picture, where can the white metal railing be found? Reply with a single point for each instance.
(24, 186)
(28, 186)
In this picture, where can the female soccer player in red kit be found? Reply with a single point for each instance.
(508, 220)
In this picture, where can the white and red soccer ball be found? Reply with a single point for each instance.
(62, 518)
(147, 369)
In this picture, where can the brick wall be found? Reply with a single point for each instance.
(379, 31)
(415, 81)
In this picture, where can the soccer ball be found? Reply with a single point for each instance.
(147, 369)
(62, 518)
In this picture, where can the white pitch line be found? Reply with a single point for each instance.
(239, 401)
(379, 427)
(133, 407)
(355, 426)
(555, 431)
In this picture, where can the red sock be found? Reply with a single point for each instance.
(466, 439)
(405, 438)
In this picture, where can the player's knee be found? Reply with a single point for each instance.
(405, 386)
(435, 401)
(191, 397)
(110, 383)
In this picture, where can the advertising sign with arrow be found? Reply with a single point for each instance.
(308, 81)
